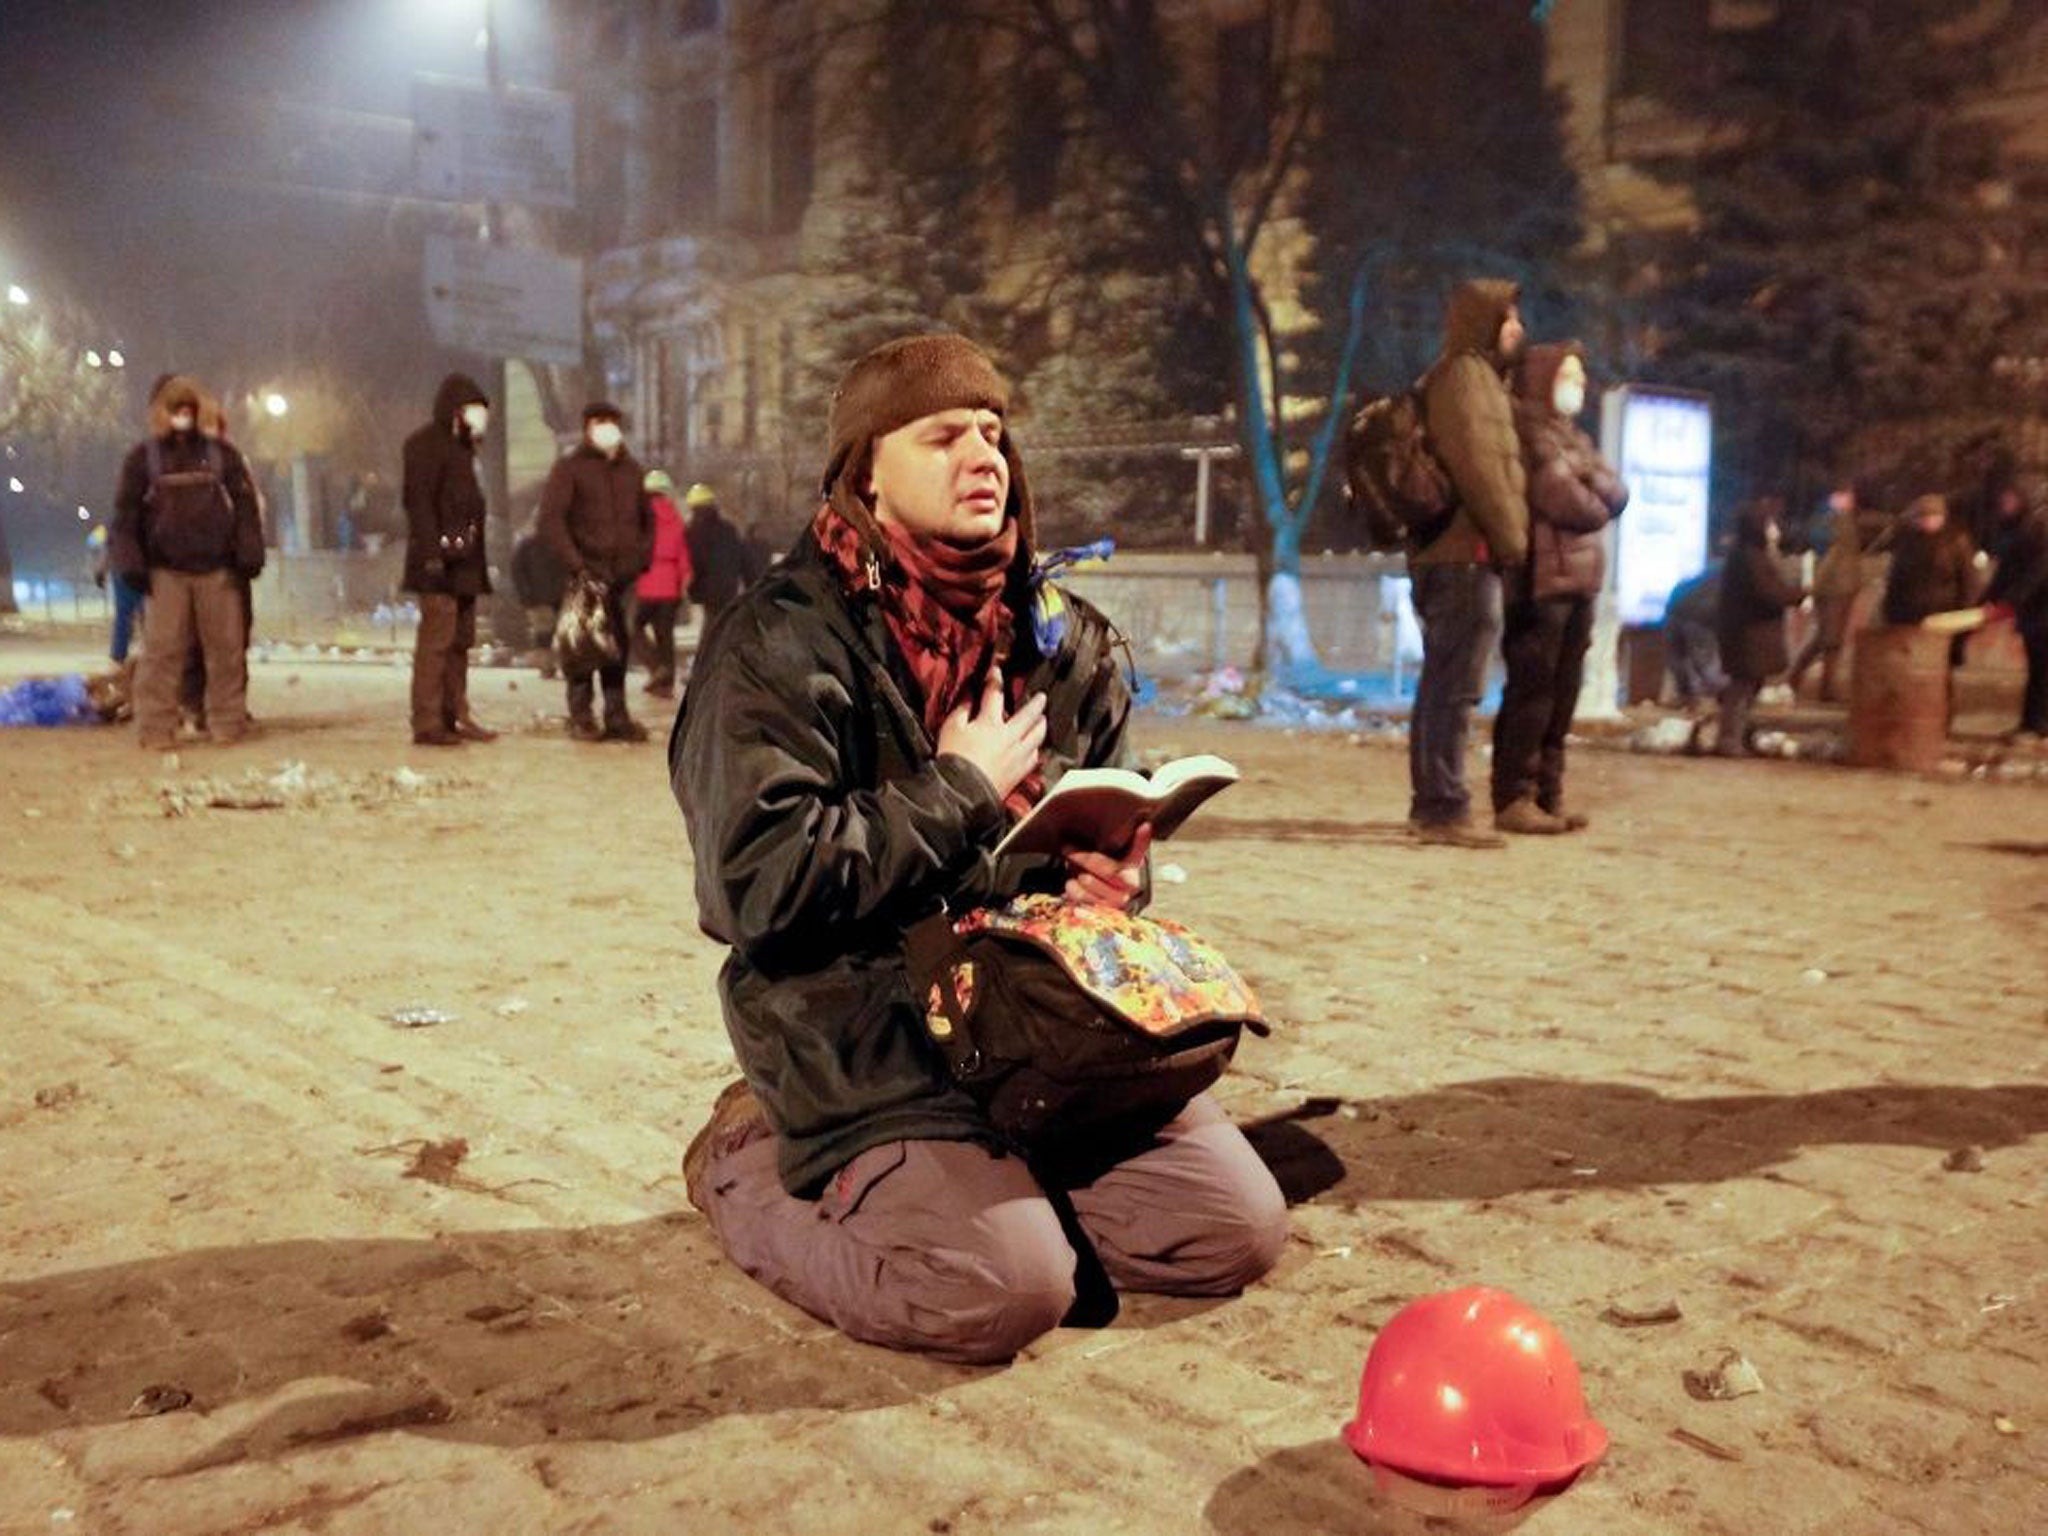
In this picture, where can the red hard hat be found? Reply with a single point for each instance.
(1474, 1386)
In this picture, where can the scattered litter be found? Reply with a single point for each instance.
(511, 1008)
(151, 1401)
(436, 1161)
(33, 813)
(1965, 1160)
(414, 1016)
(1171, 874)
(295, 787)
(2004, 1425)
(1713, 1448)
(1341, 1252)
(1623, 1315)
(1813, 976)
(124, 852)
(1997, 1302)
(58, 1096)
(1729, 1377)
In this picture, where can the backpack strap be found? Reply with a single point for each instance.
(153, 452)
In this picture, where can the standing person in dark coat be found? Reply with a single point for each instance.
(1836, 583)
(1455, 579)
(2019, 591)
(596, 517)
(1692, 646)
(1933, 564)
(658, 596)
(444, 560)
(188, 533)
(537, 579)
(1756, 593)
(719, 560)
(1573, 494)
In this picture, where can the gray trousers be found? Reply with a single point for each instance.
(949, 1249)
(184, 609)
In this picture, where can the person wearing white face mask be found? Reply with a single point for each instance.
(445, 561)
(596, 516)
(1573, 494)
(188, 533)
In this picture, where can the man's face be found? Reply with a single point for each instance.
(1511, 333)
(943, 477)
(1841, 499)
(2010, 505)
(1931, 520)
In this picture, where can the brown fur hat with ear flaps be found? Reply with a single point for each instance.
(896, 384)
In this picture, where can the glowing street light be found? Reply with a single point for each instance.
(92, 358)
(84, 516)
(116, 360)
(276, 404)
(15, 485)
(16, 294)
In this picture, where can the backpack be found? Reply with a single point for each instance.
(1068, 1020)
(192, 518)
(1393, 481)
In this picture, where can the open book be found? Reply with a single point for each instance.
(1101, 808)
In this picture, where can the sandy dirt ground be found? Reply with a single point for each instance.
(1766, 1044)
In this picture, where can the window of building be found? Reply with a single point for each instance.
(791, 159)
(1243, 96)
(695, 15)
(694, 169)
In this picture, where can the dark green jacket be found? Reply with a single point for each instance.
(1471, 424)
(823, 824)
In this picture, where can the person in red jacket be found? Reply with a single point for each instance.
(658, 601)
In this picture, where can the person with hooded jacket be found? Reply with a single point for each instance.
(1573, 494)
(445, 563)
(1455, 579)
(1756, 593)
(2018, 591)
(858, 731)
(188, 534)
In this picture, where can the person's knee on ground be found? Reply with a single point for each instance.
(982, 1308)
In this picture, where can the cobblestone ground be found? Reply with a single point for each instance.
(1766, 1043)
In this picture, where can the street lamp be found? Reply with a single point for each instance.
(276, 404)
(92, 357)
(116, 360)
(16, 294)
(15, 485)
(84, 516)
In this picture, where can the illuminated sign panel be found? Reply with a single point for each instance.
(1662, 441)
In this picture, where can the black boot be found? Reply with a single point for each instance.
(618, 725)
(583, 724)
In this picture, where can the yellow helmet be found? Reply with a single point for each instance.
(658, 482)
(700, 495)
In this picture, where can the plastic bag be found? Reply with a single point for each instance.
(584, 640)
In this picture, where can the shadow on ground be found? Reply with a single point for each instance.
(642, 1330)
(509, 1338)
(1502, 1136)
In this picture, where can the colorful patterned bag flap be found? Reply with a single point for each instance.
(1156, 975)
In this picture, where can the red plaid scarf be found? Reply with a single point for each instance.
(944, 608)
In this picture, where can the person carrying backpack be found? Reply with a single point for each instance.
(188, 533)
(1455, 575)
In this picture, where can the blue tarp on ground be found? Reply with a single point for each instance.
(48, 701)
